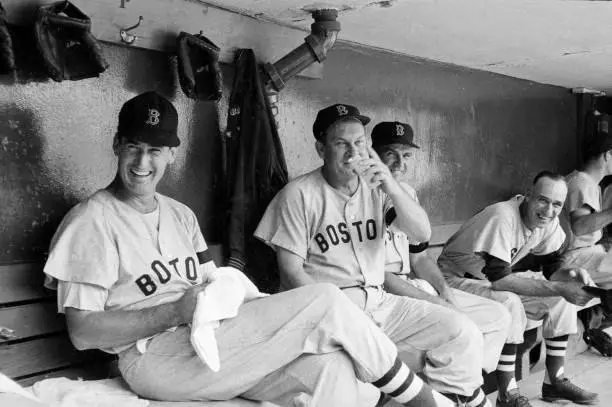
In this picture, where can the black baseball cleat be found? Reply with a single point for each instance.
(563, 389)
(513, 399)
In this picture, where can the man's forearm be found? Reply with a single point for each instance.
(105, 329)
(527, 286)
(582, 225)
(411, 217)
(425, 268)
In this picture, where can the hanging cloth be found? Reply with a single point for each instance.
(255, 172)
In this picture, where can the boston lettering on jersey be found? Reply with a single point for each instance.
(339, 234)
(186, 268)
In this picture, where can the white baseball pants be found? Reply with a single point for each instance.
(448, 341)
(304, 347)
(492, 318)
(558, 315)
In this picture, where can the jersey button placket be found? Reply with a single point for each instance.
(349, 217)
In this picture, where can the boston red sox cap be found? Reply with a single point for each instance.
(149, 118)
(328, 116)
(385, 133)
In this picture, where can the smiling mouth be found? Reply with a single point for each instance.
(140, 174)
(543, 218)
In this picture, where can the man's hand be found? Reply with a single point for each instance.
(185, 306)
(443, 302)
(573, 292)
(375, 172)
(578, 275)
(449, 297)
(582, 276)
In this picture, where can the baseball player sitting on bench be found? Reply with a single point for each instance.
(130, 264)
(588, 216)
(410, 271)
(329, 225)
(523, 233)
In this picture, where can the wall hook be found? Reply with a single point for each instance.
(125, 33)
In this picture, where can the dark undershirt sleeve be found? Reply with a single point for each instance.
(390, 216)
(548, 263)
(418, 248)
(204, 257)
(495, 269)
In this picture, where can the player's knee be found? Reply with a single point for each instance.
(513, 303)
(466, 330)
(503, 317)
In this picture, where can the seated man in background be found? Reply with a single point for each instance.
(329, 225)
(587, 217)
(409, 270)
(584, 209)
(130, 264)
(483, 258)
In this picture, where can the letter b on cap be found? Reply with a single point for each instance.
(399, 130)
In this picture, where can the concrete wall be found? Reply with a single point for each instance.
(482, 135)
(56, 146)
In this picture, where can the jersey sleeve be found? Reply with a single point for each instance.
(391, 215)
(552, 241)
(85, 297)
(284, 224)
(581, 194)
(493, 237)
(83, 250)
(205, 258)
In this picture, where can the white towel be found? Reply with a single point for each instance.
(63, 392)
(7, 385)
(221, 299)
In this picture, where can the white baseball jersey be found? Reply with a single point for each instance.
(582, 190)
(341, 238)
(397, 245)
(106, 248)
(499, 231)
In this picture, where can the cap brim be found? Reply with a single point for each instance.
(363, 119)
(376, 142)
(160, 139)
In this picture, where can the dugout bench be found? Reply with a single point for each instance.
(41, 347)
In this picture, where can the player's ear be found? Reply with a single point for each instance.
(320, 146)
(172, 155)
(116, 143)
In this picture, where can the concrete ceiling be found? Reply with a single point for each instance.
(561, 42)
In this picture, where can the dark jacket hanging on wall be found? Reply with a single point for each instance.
(255, 172)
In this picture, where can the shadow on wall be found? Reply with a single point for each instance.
(32, 206)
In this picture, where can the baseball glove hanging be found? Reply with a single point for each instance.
(7, 58)
(198, 67)
(64, 39)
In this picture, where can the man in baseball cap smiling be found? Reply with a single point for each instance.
(409, 269)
